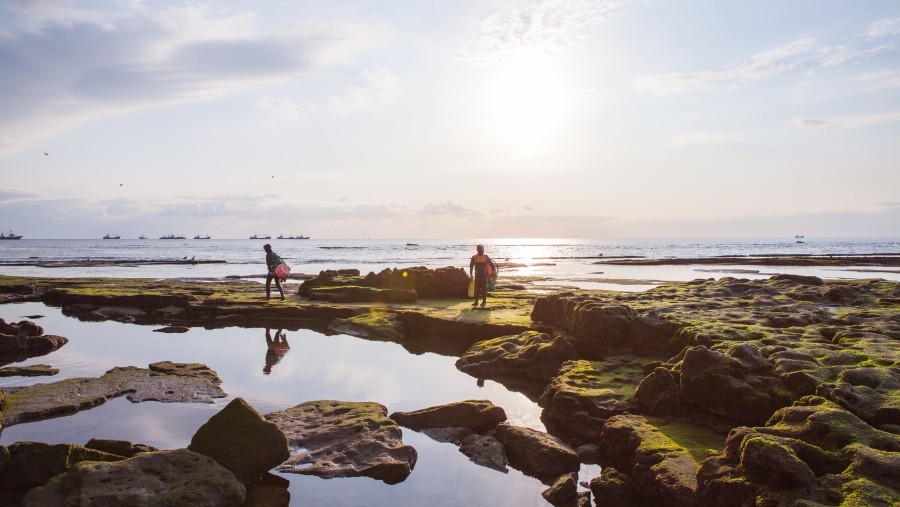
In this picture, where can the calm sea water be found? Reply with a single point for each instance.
(570, 262)
(344, 367)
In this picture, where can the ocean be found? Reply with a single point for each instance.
(572, 262)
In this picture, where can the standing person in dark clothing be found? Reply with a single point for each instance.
(272, 260)
(484, 268)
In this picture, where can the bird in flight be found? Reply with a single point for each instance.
(45, 153)
(120, 184)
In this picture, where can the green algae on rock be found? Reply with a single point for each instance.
(344, 439)
(163, 382)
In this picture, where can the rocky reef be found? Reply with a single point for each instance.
(728, 392)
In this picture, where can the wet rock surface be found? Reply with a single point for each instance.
(33, 370)
(22, 340)
(531, 354)
(241, 440)
(177, 477)
(344, 439)
(163, 382)
(476, 415)
(536, 453)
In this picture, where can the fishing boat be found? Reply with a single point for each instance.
(202, 236)
(282, 236)
(143, 237)
(4, 235)
(171, 236)
(112, 236)
(261, 236)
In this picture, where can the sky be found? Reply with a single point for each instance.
(450, 119)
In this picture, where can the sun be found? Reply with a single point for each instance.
(527, 101)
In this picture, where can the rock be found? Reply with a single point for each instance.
(659, 393)
(612, 489)
(423, 282)
(562, 490)
(33, 370)
(485, 450)
(177, 477)
(118, 447)
(662, 471)
(164, 382)
(536, 453)
(268, 496)
(477, 415)
(32, 464)
(530, 354)
(586, 393)
(241, 440)
(724, 386)
(344, 439)
(372, 325)
(766, 461)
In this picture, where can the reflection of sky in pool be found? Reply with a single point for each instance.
(316, 367)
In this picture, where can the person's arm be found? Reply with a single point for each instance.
(471, 265)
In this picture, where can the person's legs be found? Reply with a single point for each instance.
(480, 286)
(278, 284)
(269, 284)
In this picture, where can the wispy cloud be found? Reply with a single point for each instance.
(538, 25)
(760, 66)
(65, 65)
(883, 27)
(842, 54)
(851, 121)
(700, 138)
(375, 90)
(881, 79)
(446, 208)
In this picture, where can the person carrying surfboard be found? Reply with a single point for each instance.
(484, 268)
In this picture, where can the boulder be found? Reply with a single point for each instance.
(485, 450)
(31, 464)
(586, 393)
(612, 489)
(659, 393)
(766, 461)
(536, 453)
(477, 415)
(662, 471)
(344, 439)
(33, 370)
(531, 354)
(241, 440)
(421, 281)
(177, 477)
(562, 490)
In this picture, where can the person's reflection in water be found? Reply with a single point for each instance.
(480, 382)
(275, 349)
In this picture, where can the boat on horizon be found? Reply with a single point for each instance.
(11, 235)
(171, 236)
(143, 237)
(202, 236)
(261, 236)
(282, 236)
(112, 236)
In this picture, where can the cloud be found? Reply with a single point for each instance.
(808, 122)
(446, 208)
(884, 27)
(881, 79)
(378, 88)
(14, 195)
(64, 65)
(538, 25)
(760, 66)
(843, 54)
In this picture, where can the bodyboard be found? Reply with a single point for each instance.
(471, 288)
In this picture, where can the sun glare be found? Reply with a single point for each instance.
(527, 101)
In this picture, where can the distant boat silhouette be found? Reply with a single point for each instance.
(798, 236)
(204, 236)
(112, 236)
(282, 236)
(143, 237)
(171, 236)
(261, 236)
(11, 235)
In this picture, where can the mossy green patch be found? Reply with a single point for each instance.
(699, 441)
